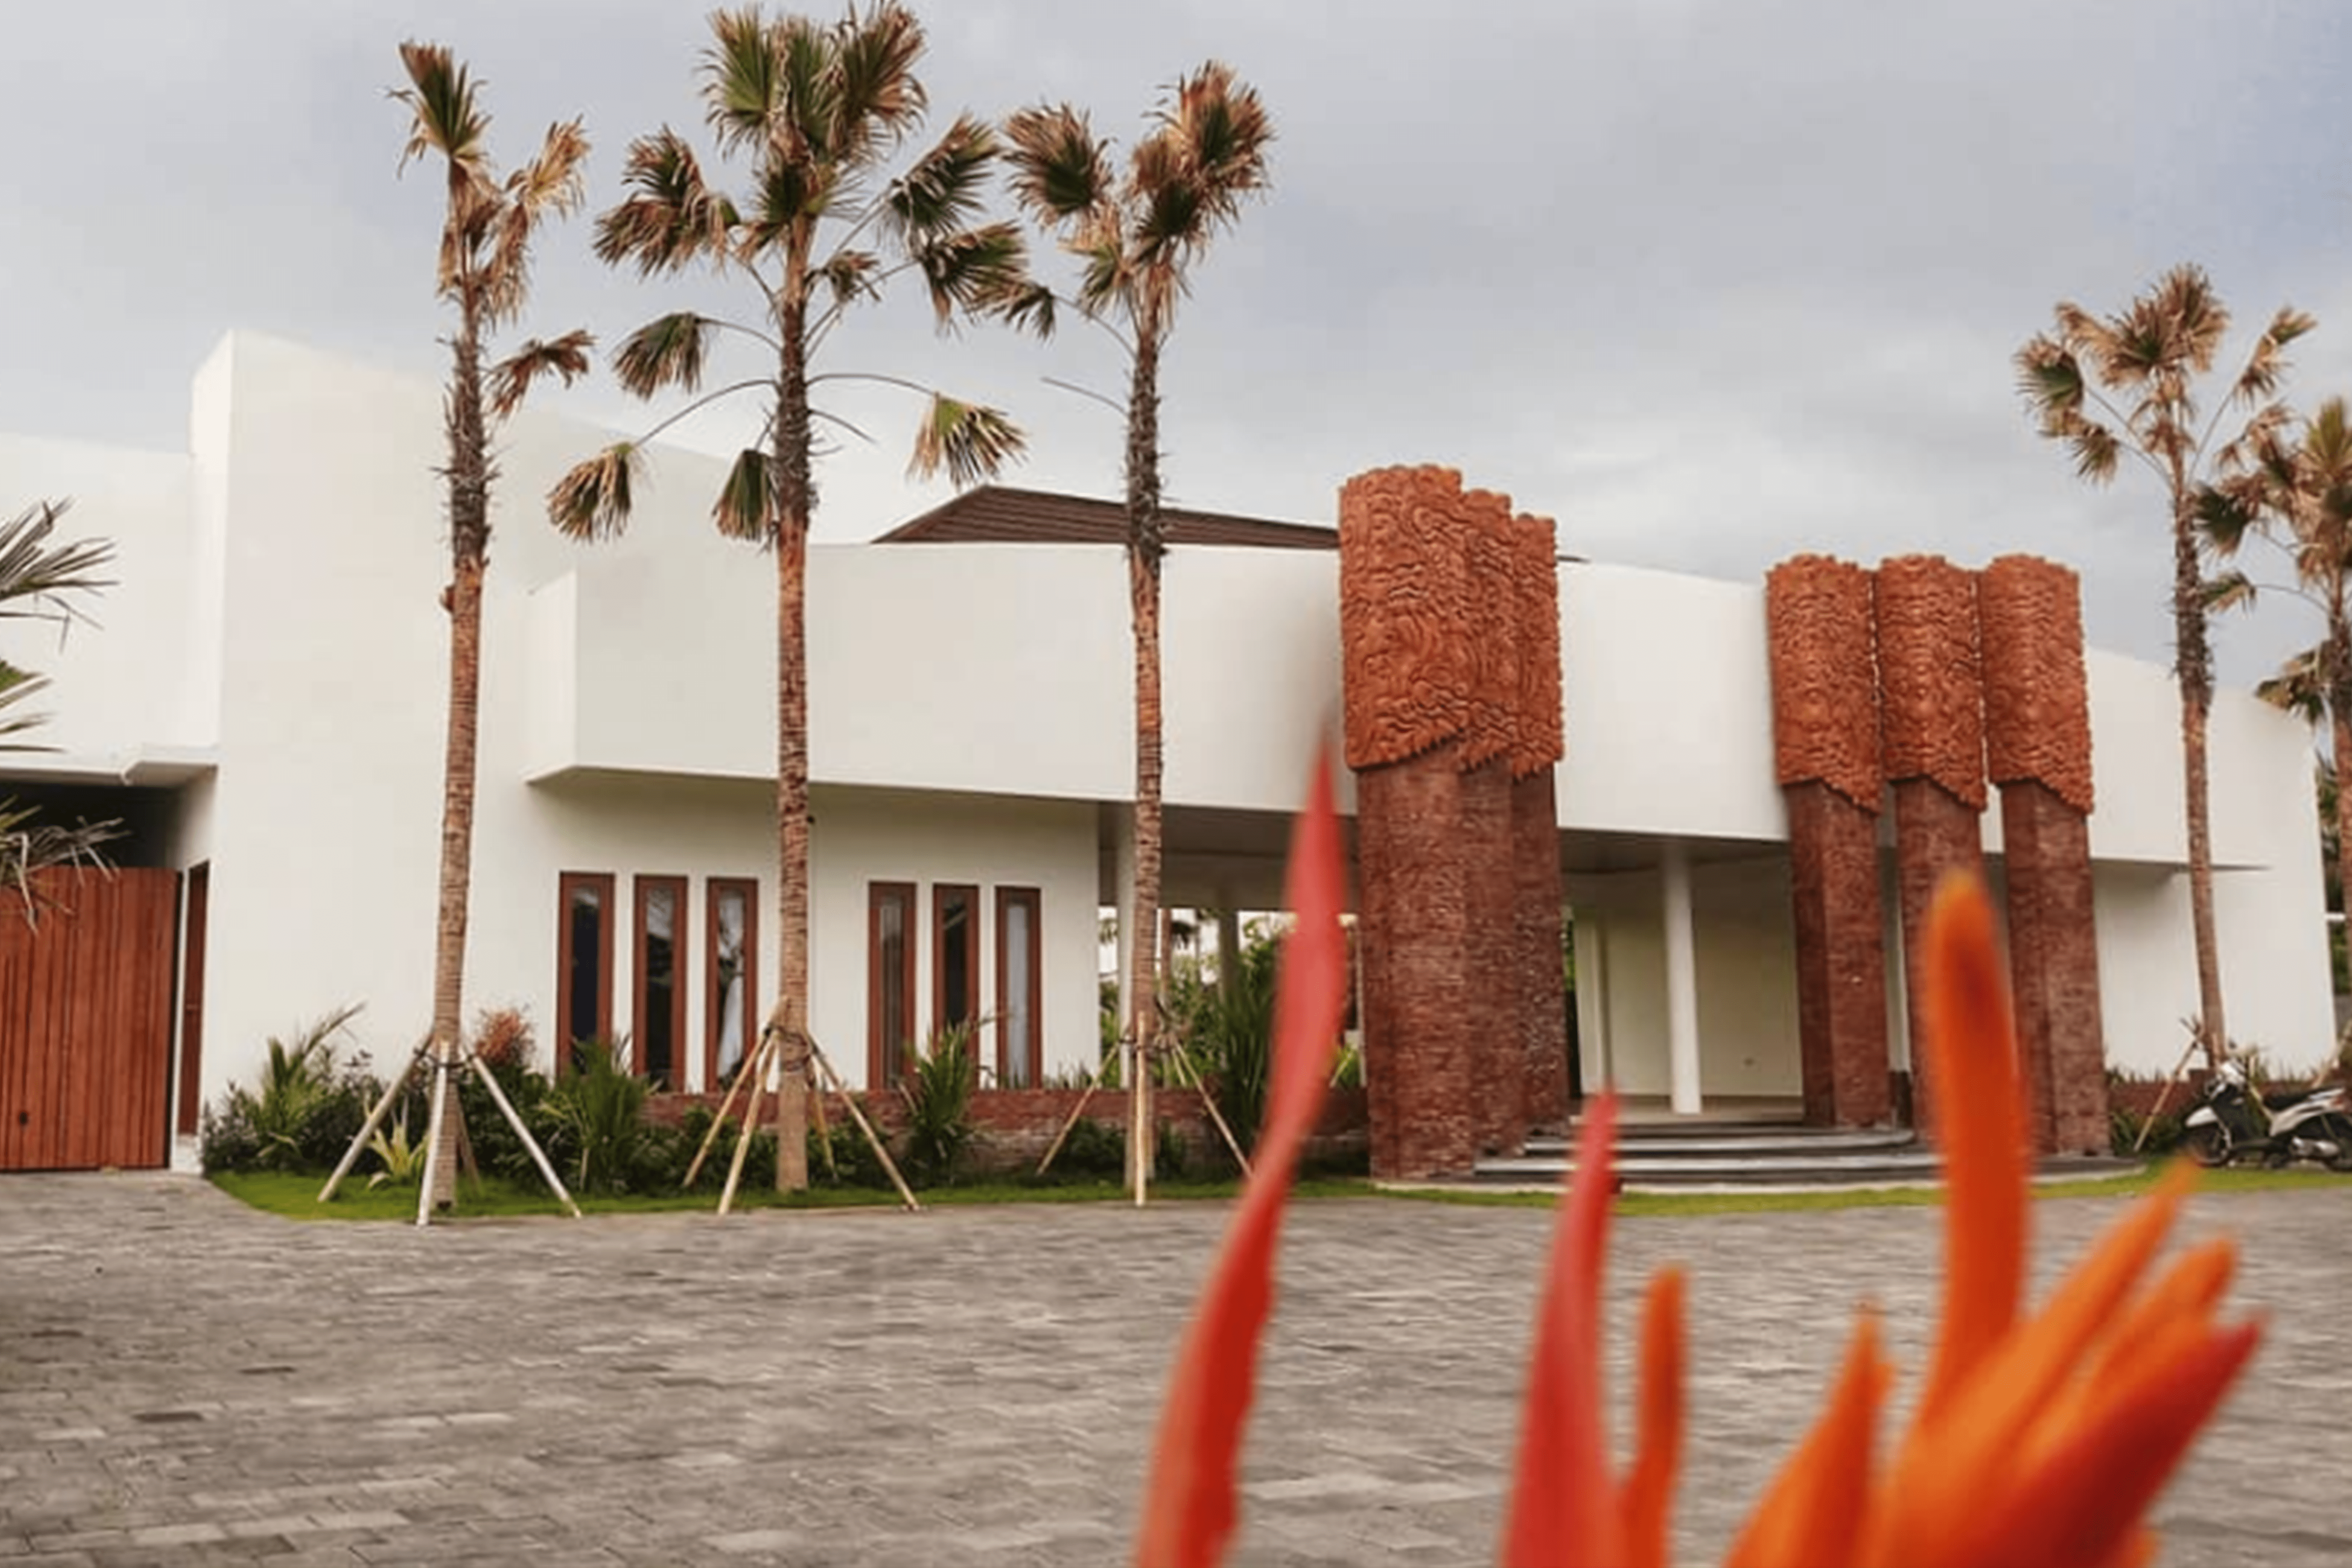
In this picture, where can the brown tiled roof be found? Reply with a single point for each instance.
(996, 514)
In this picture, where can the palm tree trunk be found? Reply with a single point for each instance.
(2193, 669)
(2339, 724)
(1145, 546)
(788, 479)
(469, 556)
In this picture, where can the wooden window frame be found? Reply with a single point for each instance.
(642, 887)
(878, 1050)
(714, 1000)
(567, 1029)
(1035, 900)
(941, 893)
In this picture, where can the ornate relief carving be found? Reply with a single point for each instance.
(1931, 704)
(1540, 740)
(1403, 613)
(1824, 677)
(2036, 693)
(1490, 641)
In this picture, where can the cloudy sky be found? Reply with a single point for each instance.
(1712, 281)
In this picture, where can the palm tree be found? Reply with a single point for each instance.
(2125, 386)
(40, 581)
(817, 110)
(1138, 234)
(2305, 487)
(486, 230)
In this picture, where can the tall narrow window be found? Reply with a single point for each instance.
(1020, 985)
(660, 1014)
(731, 932)
(955, 959)
(889, 980)
(583, 963)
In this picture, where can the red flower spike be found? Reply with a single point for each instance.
(1189, 1508)
(1647, 1501)
(1563, 1506)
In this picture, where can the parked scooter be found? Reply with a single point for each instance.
(2234, 1123)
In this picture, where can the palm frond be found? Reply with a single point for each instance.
(671, 217)
(1061, 172)
(668, 351)
(1029, 307)
(593, 501)
(877, 100)
(746, 508)
(808, 55)
(1224, 128)
(28, 846)
(969, 442)
(512, 377)
(975, 271)
(2264, 365)
(38, 579)
(2226, 513)
(2191, 318)
(742, 75)
(2049, 377)
(447, 116)
(547, 186)
(941, 192)
(2259, 446)
(2227, 591)
(16, 686)
(789, 191)
(2096, 449)
(850, 274)
(2300, 686)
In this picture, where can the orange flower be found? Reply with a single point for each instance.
(2039, 1439)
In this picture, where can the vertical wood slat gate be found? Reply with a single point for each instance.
(86, 1021)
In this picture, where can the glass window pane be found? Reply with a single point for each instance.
(1020, 1003)
(586, 983)
(734, 999)
(656, 1044)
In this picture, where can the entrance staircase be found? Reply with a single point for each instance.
(1683, 1154)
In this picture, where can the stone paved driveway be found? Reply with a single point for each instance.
(182, 1380)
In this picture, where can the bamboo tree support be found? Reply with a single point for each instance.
(1191, 1074)
(881, 1151)
(441, 1071)
(2196, 1039)
(761, 1063)
(742, 1075)
(1094, 1081)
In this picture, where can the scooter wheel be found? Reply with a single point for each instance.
(2207, 1146)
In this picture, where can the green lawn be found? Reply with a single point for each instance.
(295, 1196)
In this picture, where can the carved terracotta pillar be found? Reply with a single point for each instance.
(1931, 727)
(2038, 745)
(1490, 886)
(1404, 616)
(1537, 748)
(1825, 741)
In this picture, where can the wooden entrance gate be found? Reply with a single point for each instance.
(85, 1021)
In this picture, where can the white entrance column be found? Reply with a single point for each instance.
(1682, 983)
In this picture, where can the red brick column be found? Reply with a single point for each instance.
(1404, 616)
(2038, 748)
(1490, 887)
(1931, 727)
(1825, 739)
(1535, 826)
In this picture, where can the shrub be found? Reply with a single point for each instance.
(1092, 1149)
(937, 1088)
(1230, 1032)
(306, 1112)
(593, 1120)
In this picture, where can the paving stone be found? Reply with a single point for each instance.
(963, 1386)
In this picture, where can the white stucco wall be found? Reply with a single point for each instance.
(1744, 940)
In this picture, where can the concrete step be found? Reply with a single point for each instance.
(1827, 1162)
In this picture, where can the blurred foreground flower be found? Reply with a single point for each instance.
(2039, 1439)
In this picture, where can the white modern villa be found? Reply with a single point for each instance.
(262, 700)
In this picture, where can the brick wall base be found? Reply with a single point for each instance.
(1935, 834)
(1840, 958)
(2053, 954)
(1015, 1125)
